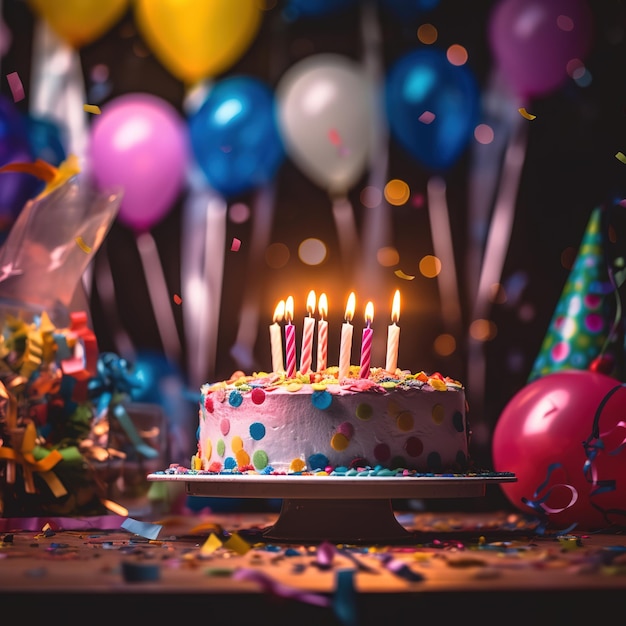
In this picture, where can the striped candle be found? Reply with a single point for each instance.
(345, 348)
(290, 339)
(306, 355)
(322, 334)
(366, 342)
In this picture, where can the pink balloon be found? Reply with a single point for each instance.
(545, 435)
(140, 143)
(533, 41)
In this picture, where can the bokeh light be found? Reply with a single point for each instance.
(457, 54)
(239, 213)
(444, 344)
(483, 330)
(430, 266)
(371, 197)
(397, 192)
(277, 255)
(427, 34)
(483, 133)
(312, 251)
(388, 256)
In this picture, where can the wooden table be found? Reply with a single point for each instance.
(218, 568)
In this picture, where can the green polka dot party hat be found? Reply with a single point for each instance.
(581, 324)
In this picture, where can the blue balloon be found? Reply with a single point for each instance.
(235, 136)
(425, 82)
(15, 189)
(297, 9)
(45, 140)
(408, 9)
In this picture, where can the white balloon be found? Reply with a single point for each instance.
(326, 111)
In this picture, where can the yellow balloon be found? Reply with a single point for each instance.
(196, 39)
(80, 22)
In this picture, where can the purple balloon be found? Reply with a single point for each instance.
(533, 41)
(140, 143)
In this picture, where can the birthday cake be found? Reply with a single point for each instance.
(272, 423)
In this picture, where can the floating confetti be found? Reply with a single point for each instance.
(40, 169)
(621, 157)
(526, 114)
(427, 117)
(177, 299)
(334, 137)
(16, 87)
(403, 276)
(235, 245)
(92, 108)
(82, 245)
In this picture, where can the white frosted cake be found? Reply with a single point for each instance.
(269, 423)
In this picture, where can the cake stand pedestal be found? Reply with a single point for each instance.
(335, 508)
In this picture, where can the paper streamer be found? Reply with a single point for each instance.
(443, 247)
(202, 266)
(263, 217)
(159, 296)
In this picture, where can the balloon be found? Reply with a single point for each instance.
(325, 106)
(235, 136)
(408, 9)
(532, 42)
(80, 22)
(15, 189)
(45, 139)
(541, 435)
(424, 83)
(139, 142)
(196, 39)
(296, 9)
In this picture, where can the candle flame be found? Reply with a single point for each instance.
(369, 312)
(350, 307)
(322, 305)
(289, 309)
(310, 302)
(279, 311)
(395, 308)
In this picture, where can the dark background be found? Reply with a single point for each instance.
(570, 168)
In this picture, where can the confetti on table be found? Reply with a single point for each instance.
(144, 529)
(620, 156)
(401, 274)
(92, 108)
(82, 245)
(426, 117)
(16, 87)
(237, 544)
(211, 544)
(526, 114)
(177, 299)
(235, 245)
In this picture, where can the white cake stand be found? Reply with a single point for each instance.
(341, 509)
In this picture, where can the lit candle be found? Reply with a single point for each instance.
(290, 338)
(345, 349)
(366, 343)
(276, 341)
(306, 356)
(393, 335)
(322, 334)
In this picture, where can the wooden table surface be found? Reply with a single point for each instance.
(496, 565)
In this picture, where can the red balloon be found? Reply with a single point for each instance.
(563, 436)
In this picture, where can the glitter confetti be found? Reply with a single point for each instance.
(620, 156)
(16, 87)
(82, 245)
(426, 117)
(401, 274)
(526, 114)
(235, 245)
(177, 299)
(91, 108)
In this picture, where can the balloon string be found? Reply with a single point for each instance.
(243, 348)
(444, 250)
(159, 295)
(345, 225)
